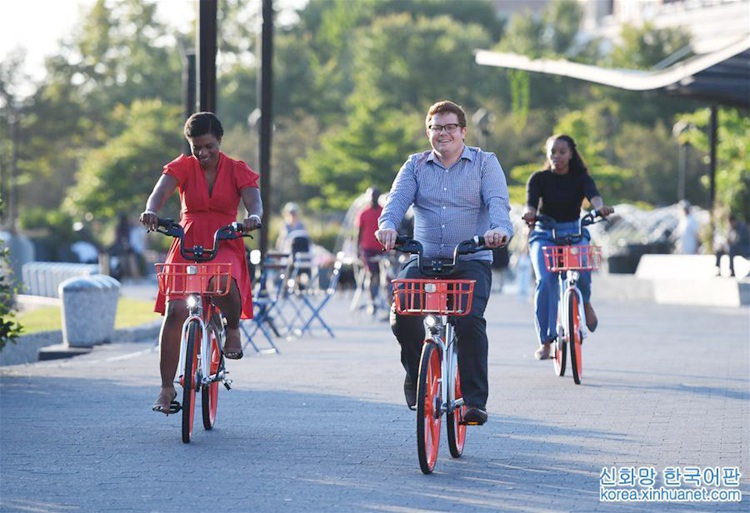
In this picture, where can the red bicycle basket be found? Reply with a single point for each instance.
(425, 296)
(206, 279)
(568, 258)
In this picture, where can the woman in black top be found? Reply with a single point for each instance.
(560, 187)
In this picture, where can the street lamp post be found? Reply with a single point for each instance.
(678, 130)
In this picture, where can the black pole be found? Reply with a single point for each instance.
(188, 92)
(712, 158)
(12, 185)
(266, 121)
(207, 55)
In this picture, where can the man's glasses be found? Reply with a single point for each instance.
(450, 128)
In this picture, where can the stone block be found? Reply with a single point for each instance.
(89, 306)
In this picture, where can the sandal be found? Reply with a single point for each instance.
(543, 352)
(165, 403)
(233, 344)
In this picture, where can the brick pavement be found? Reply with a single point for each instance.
(322, 427)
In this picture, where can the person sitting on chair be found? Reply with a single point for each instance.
(294, 240)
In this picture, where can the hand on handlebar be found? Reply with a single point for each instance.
(251, 223)
(605, 211)
(387, 237)
(149, 219)
(529, 218)
(496, 238)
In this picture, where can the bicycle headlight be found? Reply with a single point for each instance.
(192, 301)
(430, 321)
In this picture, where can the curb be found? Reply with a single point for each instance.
(27, 348)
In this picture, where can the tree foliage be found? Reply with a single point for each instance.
(117, 177)
(732, 155)
(10, 329)
(352, 81)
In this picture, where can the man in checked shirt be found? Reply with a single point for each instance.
(458, 192)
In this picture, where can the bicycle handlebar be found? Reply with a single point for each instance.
(198, 253)
(439, 266)
(549, 223)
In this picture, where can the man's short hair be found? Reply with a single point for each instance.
(445, 106)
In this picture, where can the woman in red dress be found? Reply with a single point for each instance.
(211, 186)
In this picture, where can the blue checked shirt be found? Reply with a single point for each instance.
(450, 205)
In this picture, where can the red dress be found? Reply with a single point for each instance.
(202, 214)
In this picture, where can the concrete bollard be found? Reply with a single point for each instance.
(89, 306)
(110, 298)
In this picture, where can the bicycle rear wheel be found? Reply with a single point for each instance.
(576, 337)
(189, 380)
(429, 398)
(210, 392)
(456, 430)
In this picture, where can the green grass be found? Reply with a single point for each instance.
(130, 313)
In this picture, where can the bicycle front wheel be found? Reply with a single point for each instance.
(575, 337)
(429, 398)
(189, 380)
(560, 346)
(210, 392)
(455, 426)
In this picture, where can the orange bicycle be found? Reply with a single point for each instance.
(567, 258)
(439, 383)
(202, 365)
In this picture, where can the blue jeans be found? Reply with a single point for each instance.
(547, 293)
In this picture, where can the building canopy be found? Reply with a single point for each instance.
(720, 77)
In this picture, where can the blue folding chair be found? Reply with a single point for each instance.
(314, 301)
(266, 304)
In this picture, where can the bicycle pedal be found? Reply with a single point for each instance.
(174, 407)
(226, 385)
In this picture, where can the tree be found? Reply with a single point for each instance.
(119, 54)
(642, 48)
(10, 329)
(732, 155)
(367, 152)
(401, 67)
(645, 46)
(119, 176)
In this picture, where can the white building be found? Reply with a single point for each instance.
(714, 24)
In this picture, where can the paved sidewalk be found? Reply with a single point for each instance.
(322, 427)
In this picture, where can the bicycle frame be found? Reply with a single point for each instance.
(567, 258)
(438, 298)
(441, 332)
(568, 284)
(199, 368)
(195, 314)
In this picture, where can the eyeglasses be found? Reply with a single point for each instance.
(450, 128)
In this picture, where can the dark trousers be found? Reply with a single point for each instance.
(471, 332)
(733, 252)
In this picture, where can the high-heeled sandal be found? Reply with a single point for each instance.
(166, 403)
(233, 344)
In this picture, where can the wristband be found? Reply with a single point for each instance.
(256, 216)
(149, 212)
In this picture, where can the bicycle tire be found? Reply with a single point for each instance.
(189, 382)
(456, 430)
(575, 337)
(560, 347)
(210, 392)
(428, 405)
